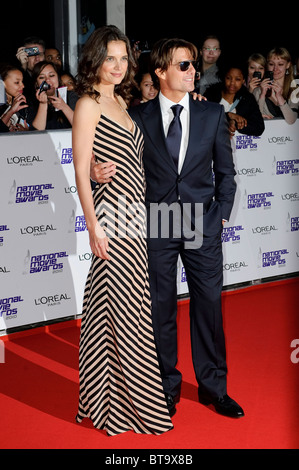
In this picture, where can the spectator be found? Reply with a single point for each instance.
(13, 113)
(256, 70)
(240, 106)
(146, 88)
(281, 101)
(52, 111)
(53, 55)
(209, 70)
(28, 61)
(68, 80)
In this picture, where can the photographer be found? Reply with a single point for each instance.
(277, 95)
(256, 71)
(32, 52)
(52, 112)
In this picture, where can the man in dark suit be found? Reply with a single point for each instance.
(202, 176)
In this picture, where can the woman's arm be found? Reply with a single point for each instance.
(40, 120)
(18, 103)
(289, 115)
(249, 109)
(260, 96)
(85, 119)
(61, 105)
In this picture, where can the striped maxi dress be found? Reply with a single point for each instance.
(120, 382)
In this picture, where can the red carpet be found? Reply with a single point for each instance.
(39, 383)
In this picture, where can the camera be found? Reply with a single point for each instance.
(44, 87)
(31, 51)
(269, 74)
(257, 75)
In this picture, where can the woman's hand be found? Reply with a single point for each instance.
(18, 103)
(99, 243)
(266, 84)
(58, 102)
(61, 105)
(41, 97)
(277, 91)
(20, 127)
(254, 83)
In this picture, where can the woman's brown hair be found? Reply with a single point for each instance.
(94, 54)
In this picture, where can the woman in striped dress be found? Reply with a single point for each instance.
(120, 383)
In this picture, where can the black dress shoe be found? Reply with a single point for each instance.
(223, 405)
(170, 402)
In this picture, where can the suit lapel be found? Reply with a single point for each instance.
(196, 130)
(153, 127)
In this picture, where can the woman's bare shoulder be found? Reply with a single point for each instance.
(88, 108)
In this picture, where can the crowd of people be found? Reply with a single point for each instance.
(40, 93)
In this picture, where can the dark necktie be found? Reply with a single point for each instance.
(174, 136)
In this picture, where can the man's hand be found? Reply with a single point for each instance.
(198, 96)
(22, 56)
(102, 172)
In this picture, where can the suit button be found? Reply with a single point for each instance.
(180, 180)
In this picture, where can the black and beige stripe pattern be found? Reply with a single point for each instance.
(120, 383)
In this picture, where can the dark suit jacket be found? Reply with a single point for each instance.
(208, 172)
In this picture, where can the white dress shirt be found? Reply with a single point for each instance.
(167, 117)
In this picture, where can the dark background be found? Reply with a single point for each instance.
(242, 28)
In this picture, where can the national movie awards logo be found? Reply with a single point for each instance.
(29, 193)
(80, 224)
(9, 306)
(244, 142)
(272, 258)
(232, 234)
(66, 156)
(45, 262)
(258, 200)
(294, 221)
(287, 167)
(3, 229)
